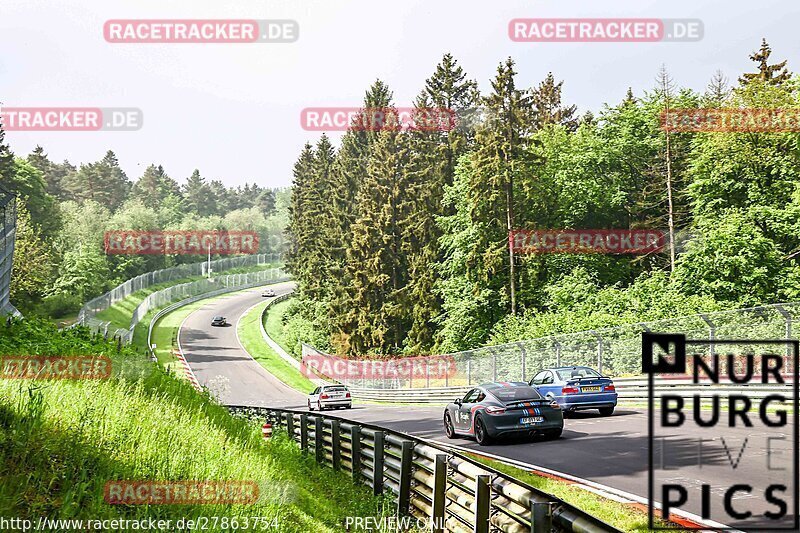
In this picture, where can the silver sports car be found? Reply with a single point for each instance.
(503, 409)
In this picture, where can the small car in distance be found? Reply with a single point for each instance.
(219, 321)
(326, 396)
(495, 410)
(576, 388)
(268, 293)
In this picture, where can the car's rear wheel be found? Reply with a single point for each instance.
(606, 411)
(319, 406)
(349, 406)
(448, 427)
(553, 433)
(309, 406)
(481, 435)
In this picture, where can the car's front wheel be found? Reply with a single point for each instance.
(481, 435)
(448, 427)
(606, 411)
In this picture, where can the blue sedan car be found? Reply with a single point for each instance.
(577, 388)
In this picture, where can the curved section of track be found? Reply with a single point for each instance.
(612, 451)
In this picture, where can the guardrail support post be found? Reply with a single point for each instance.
(319, 440)
(290, 425)
(304, 432)
(335, 448)
(439, 489)
(541, 517)
(355, 451)
(377, 464)
(482, 503)
(558, 352)
(404, 498)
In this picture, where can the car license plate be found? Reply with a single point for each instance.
(590, 389)
(532, 420)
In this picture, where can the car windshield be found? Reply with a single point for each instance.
(514, 394)
(579, 372)
(217, 318)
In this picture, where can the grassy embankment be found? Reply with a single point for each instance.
(63, 440)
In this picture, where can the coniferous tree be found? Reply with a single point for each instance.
(299, 231)
(548, 107)
(155, 187)
(102, 181)
(717, 90)
(772, 74)
(197, 195)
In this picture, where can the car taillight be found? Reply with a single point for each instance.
(610, 388)
(347, 395)
(569, 390)
(493, 410)
(323, 396)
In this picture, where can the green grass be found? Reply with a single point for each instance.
(622, 516)
(273, 323)
(63, 440)
(250, 336)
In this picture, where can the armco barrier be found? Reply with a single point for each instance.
(429, 481)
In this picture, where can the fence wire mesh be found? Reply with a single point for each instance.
(87, 316)
(8, 224)
(613, 351)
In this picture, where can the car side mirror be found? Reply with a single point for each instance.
(457, 401)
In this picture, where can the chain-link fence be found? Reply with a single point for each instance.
(8, 225)
(613, 351)
(103, 302)
(183, 291)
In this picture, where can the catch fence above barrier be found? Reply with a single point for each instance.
(612, 351)
(8, 225)
(448, 490)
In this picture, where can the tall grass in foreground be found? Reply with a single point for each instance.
(62, 441)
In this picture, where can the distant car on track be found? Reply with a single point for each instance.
(577, 388)
(268, 293)
(503, 409)
(329, 396)
(219, 321)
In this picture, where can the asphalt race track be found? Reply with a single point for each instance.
(612, 450)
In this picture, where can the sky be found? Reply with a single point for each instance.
(233, 110)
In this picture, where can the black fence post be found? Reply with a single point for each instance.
(406, 457)
(304, 432)
(439, 490)
(482, 503)
(290, 425)
(541, 517)
(377, 464)
(319, 440)
(335, 446)
(355, 451)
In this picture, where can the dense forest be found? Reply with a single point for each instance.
(399, 238)
(63, 212)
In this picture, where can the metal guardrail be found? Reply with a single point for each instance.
(429, 481)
